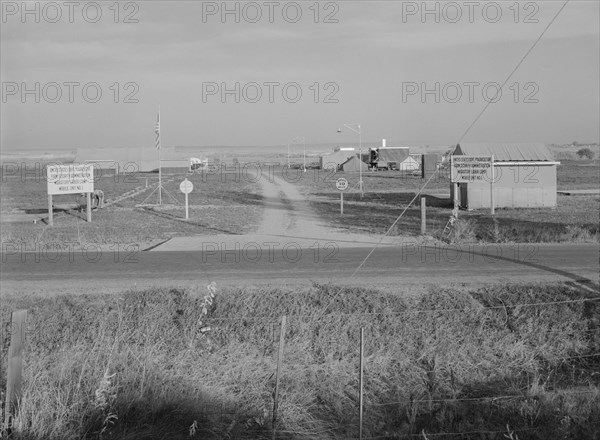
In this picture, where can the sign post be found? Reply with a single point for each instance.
(186, 187)
(469, 169)
(492, 207)
(342, 185)
(423, 216)
(88, 207)
(70, 179)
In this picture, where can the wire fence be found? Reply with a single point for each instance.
(553, 371)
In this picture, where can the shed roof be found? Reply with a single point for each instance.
(336, 158)
(354, 164)
(507, 152)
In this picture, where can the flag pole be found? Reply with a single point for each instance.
(159, 164)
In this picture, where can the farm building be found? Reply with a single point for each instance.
(429, 164)
(354, 164)
(388, 157)
(409, 164)
(525, 176)
(337, 158)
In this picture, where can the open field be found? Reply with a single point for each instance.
(216, 206)
(232, 203)
(575, 218)
(387, 194)
(150, 364)
(487, 361)
(578, 174)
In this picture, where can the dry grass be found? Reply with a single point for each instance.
(578, 174)
(387, 194)
(216, 206)
(152, 364)
(574, 220)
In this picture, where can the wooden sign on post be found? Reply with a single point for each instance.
(70, 179)
(468, 169)
(342, 185)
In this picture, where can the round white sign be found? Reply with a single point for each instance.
(341, 184)
(186, 186)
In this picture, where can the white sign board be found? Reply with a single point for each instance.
(341, 184)
(186, 186)
(464, 169)
(70, 179)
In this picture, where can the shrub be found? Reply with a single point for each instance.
(585, 152)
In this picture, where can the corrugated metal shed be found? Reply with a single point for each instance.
(524, 177)
(507, 152)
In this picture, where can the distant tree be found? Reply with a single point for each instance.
(575, 143)
(585, 152)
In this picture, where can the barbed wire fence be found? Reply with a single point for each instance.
(272, 334)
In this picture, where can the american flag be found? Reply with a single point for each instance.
(157, 131)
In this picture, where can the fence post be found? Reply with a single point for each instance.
(360, 385)
(15, 365)
(277, 374)
(423, 216)
(50, 211)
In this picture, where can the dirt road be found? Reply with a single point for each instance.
(287, 212)
(292, 244)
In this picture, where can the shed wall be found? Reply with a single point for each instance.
(516, 186)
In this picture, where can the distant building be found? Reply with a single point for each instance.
(133, 159)
(525, 176)
(430, 163)
(409, 164)
(337, 158)
(354, 164)
(388, 157)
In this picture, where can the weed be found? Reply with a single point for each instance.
(446, 360)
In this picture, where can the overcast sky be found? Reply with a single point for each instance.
(370, 61)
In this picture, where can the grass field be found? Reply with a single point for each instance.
(222, 204)
(216, 206)
(518, 360)
(388, 193)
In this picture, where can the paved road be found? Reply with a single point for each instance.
(408, 263)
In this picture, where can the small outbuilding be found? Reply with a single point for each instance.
(354, 164)
(525, 176)
(409, 164)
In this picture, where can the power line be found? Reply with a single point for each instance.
(460, 139)
(513, 72)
